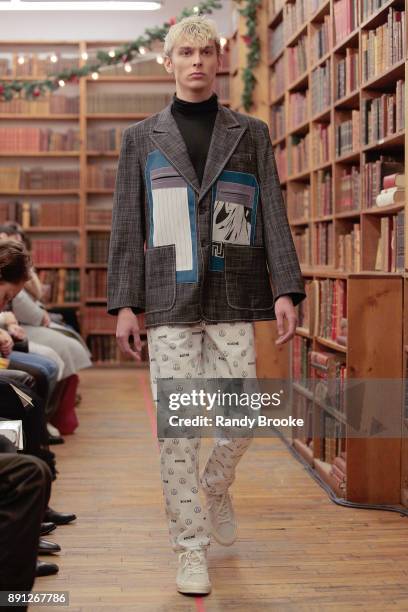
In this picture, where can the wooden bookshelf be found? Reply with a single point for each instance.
(375, 297)
(99, 108)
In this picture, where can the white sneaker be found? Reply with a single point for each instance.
(192, 574)
(222, 518)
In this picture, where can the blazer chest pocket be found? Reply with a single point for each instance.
(160, 274)
(247, 280)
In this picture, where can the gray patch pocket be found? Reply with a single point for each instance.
(247, 280)
(160, 274)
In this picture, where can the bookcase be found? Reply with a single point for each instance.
(333, 75)
(58, 157)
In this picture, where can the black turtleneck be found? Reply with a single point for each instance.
(195, 121)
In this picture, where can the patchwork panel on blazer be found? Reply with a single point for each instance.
(235, 197)
(172, 214)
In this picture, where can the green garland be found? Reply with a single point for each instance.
(124, 54)
(252, 41)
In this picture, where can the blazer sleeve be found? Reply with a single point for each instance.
(282, 259)
(126, 276)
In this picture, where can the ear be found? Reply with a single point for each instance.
(168, 65)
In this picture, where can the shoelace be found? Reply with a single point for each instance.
(193, 559)
(222, 508)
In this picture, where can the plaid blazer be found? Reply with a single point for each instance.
(182, 252)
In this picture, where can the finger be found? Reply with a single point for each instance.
(279, 323)
(123, 342)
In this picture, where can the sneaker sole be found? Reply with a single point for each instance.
(189, 590)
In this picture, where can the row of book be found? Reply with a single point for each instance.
(62, 286)
(383, 46)
(370, 6)
(349, 193)
(13, 178)
(101, 177)
(294, 16)
(98, 216)
(385, 115)
(347, 135)
(96, 281)
(325, 313)
(97, 319)
(320, 88)
(320, 42)
(98, 247)
(54, 251)
(303, 245)
(48, 105)
(105, 139)
(277, 81)
(323, 243)
(324, 193)
(39, 64)
(321, 143)
(276, 41)
(299, 202)
(102, 102)
(346, 18)
(277, 121)
(349, 250)
(347, 73)
(298, 154)
(374, 174)
(390, 246)
(299, 108)
(49, 214)
(23, 139)
(297, 59)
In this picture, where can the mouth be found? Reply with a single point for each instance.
(197, 74)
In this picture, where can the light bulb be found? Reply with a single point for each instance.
(223, 41)
(84, 55)
(159, 59)
(61, 83)
(142, 50)
(95, 75)
(111, 53)
(128, 68)
(21, 60)
(54, 58)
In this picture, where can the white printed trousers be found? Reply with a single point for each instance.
(203, 350)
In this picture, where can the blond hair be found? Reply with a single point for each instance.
(196, 28)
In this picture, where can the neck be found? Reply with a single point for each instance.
(193, 96)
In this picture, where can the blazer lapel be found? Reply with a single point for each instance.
(226, 135)
(168, 139)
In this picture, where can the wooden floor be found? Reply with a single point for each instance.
(296, 551)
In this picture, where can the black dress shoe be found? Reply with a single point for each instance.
(55, 439)
(46, 528)
(46, 569)
(45, 547)
(59, 518)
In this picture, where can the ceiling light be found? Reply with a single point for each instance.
(80, 5)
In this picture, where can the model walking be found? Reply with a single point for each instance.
(197, 185)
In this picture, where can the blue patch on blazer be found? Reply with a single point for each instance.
(172, 214)
(234, 204)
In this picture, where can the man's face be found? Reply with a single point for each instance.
(194, 67)
(8, 291)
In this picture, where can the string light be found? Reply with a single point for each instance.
(84, 55)
(128, 68)
(196, 9)
(21, 60)
(142, 50)
(95, 76)
(61, 83)
(159, 59)
(111, 53)
(54, 58)
(223, 41)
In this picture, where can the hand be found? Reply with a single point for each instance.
(128, 325)
(16, 331)
(6, 343)
(284, 309)
(45, 321)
